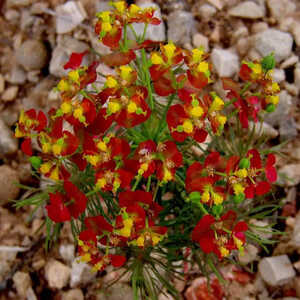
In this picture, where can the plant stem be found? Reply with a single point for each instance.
(147, 77)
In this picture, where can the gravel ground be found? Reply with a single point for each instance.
(36, 38)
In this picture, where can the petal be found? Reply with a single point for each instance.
(98, 224)
(271, 174)
(26, 146)
(75, 60)
(117, 260)
(262, 188)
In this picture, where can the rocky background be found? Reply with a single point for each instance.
(36, 38)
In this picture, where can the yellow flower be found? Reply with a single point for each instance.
(169, 50)
(111, 82)
(134, 9)
(156, 59)
(217, 104)
(132, 107)
(238, 189)
(106, 27)
(101, 183)
(113, 107)
(203, 67)
(205, 197)
(74, 76)
(224, 252)
(197, 54)
(272, 99)
(57, 149)
(167, 175)
(66, 107)
(242, 173)
(126, 72)
(196, 111)
(140, 241)
(63, 86)
(188, 126)
(120, 6)
(218, 199)
(45, 167)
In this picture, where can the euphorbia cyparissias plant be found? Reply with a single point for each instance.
(113, 151)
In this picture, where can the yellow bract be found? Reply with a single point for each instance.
(169, 50)
(134, 9)
(132, 107)
(167, 175)
(238, 189)
(156, 59)
(106, 27)
(242, 173)
(74, 76)
(188, 126)
(203, 67)
(111, 82)
(66, 107)
(102, 146)
(45, 167)
(197, 55)
(197, 111)
(114, 107)
(126, 72)
(224, 251)
(272, 99)
(63, 86)
(218, 199)
(217, 104)
(120, 6)
(101, 183)
(57, 149)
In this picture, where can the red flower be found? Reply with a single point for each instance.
(75, 60)
(220, 236)
(98, 225)
(64, 206)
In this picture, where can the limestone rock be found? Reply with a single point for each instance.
(200, 40)
(81, 274)
(281, 8)
(69, 16)
(75, 294)
(225, 62)
(247, 10)
(57, 274)
(8, 143)
(290, 173)
(10, 93)
(22, 282)
(273, 40)
(32, 55)
(276, 270)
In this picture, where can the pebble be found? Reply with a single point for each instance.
(18, 3)
(154, 32)
(67, 251)
(291, 173)
(206, 11)
(12, 16)
(282, 111)
(296, 32)
(61, 53)
(295, 240)
(278, 75)
(226, 62)
(75, 294)
(288, 129)
(243, 45)
(200, 40)
(8, 143)
(10, 93)
(292, 88)
(81, 274)
(17, 75)
(273, 40)
(216, 3)
(247, 10)
(69, 16)
(2, 83)
(259, 27)
(249, 255)
(118, 291)
(281, 8)
(180, 27)
(57, 274)
(22, 282)
(276, 270)
(30, 294)
(291, 61)
(297, 76)
(32, 55)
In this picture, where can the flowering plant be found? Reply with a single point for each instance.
(152, 167)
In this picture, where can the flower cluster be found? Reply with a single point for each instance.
(115, 146)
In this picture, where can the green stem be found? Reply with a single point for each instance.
(133, 31)
(148, 184)
(203, 209)
(144, 33)
(163, 118)
(138, 179)
(147, 77)
(245, 88)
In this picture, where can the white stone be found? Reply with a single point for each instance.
(259, 27)
(57, 274)
(75, 294)
(264, 129)
(243, 45)
(200, 40)
(154, 32)
(296, 32)
(81, 273)
(278, 75)
(69, 16)
(2, 83)
(296, 232)
(247, 10)
(22, 282)
(10, 93)
(8, 143)
(30, 294)
(67, 251)
(216, 3)
(62, 52)
(292, 60)
(17, 75)
(206, 11)
(276, 270)
(297, 77)
(291, 173)
(276, 41)
(225, 62)
(280, 8)
(249, 254)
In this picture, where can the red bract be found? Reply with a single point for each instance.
(220, 236)
(75, 60)
(118, 58)
(64, 206)
(98, 225)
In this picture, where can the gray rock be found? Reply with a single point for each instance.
(272, 40)
(8, 143)
(81, 274)
(180, 27)
(206, 11)
(62, 52)
(276, 270)
(296, 232)
(22, 282)
(297, 76)
(32, 55)
(281, 8)
(289, 175)
(30, 294)
(57, 274)
(69, 16)
(75, 294)
(2, 83)
(249, 255)
(290, 61)
(18, 3)
(278, 75)
(10, 93)
(225, 62)
(8, 184)
(282, 111)
(154, 32)
(288, 129)
(247, 10)
(200, 40)
(17, 75)
(118, 291)
(296, 32)
(67, 251)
